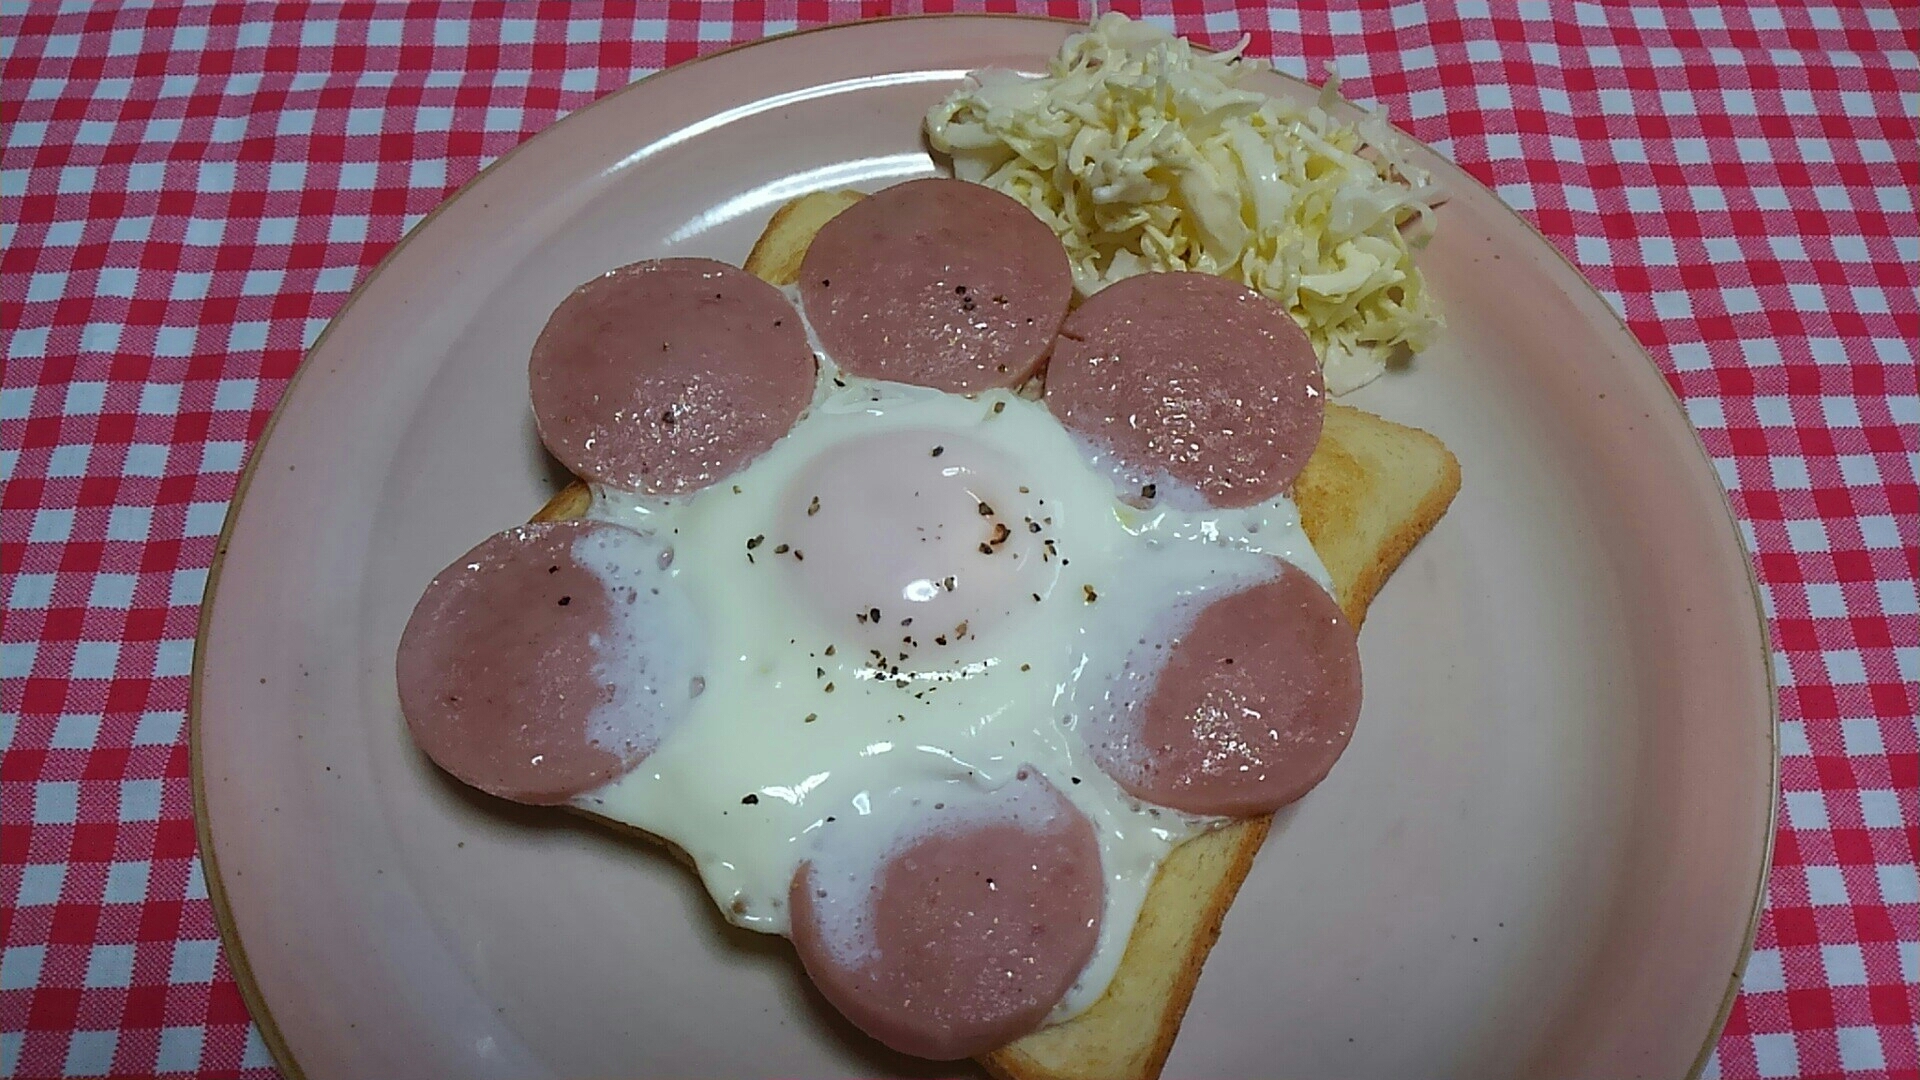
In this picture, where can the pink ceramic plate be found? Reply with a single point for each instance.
(1540, 857)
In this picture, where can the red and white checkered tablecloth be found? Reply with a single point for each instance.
(188, 191)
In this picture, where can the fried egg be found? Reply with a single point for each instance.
(914, 595)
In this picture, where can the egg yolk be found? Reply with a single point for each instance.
(917, 541)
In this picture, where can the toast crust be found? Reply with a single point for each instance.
(775, 258)
(1368, 494)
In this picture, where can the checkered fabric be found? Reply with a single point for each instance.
(190, 190)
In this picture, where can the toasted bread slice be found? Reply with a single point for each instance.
(1371, 490)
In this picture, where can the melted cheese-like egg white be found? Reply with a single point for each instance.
(911, 594)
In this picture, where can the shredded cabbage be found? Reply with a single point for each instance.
(1143, 154)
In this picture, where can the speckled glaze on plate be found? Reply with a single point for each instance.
(1540, 857)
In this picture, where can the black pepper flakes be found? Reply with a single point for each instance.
(1148, 491)
(1087, 591)
(812, 507)
(750, 799)
(755, 541)
(986, 510)
(936, 451)
(565, 600)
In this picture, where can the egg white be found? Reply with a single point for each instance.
(784, 744)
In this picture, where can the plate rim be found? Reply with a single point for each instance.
(240, 966)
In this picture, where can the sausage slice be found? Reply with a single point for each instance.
(966, 935)
(1255, 703)
(1191, 376)
(940, 283)
(669, 375)
(547, 661)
